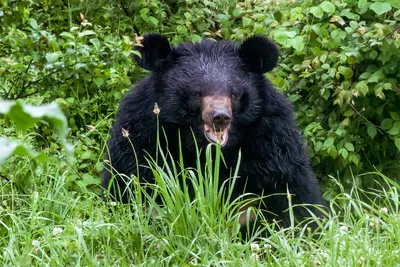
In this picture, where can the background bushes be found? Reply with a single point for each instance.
(339, 66)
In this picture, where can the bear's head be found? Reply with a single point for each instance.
(210, 87)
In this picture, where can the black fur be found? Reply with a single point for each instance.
(259, 54)
(274, 159)
(154, 49)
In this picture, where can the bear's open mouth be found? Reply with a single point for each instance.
(214, 136)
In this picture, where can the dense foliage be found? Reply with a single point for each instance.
(339, 66)
(64, 66)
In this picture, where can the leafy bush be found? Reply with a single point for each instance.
(339, 66)
(25, 117)
(341, 71)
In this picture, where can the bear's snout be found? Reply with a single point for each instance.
(221, 119)
(217, 117)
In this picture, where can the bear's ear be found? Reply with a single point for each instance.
(154, 49)
(259, 54)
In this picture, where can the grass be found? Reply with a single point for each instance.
(55, 226)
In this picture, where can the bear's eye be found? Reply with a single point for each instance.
(196, 95)
(234, 97)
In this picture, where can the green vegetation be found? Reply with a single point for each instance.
(66, 64)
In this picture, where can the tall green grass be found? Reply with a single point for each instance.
(55, 226)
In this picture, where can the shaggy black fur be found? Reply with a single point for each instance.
(273, 154)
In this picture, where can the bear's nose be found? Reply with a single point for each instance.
(221, 119)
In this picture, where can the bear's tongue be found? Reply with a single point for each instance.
(213, 136)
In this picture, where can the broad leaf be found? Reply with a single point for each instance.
(328, 7)
(381, 7)
(394, 3)
(371, 130)
(26, 116)
(12, 147)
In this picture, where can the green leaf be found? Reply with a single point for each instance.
(395, 130)
(395, 116)
(195, 38)
(153, 20)
(362, 3)
(96, 43)
(34, 24)
(317, 11)
(373, 54)
(85, 33)
(187, 15)
(344, 153)
(387, 124)
(339, 131)
(20, 118)
(362, 87)
(387, 86)
(12, 147)
(394, 3)
(365, 76)
(52, 57)
(371, 130)
(325, 66)
(328, 7)
(99, 81)
(246, 21)
(397, 142)
(143, 13)
(376, 76)
(284, 37)
(67, 35)
(354, 25)
(332, 151)
(349, 146)
(87, 179)
(346, 72)
(380, 7)
(297, 43)
(354, 158)
(278, 16)
(318, 146)
(328, 143)
(25, 117)
(237, 12)
(349, 113)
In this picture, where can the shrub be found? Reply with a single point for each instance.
(339, 66)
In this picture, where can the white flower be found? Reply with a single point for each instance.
(156, 109)
(57, 230)
(255, 256)
(125, 133)
(35, 243)
(384, 210)
(343, 229)
(91, 128)
(342, 245)
(254, 246)
(113, 203)
(267, 247)
(374, 221)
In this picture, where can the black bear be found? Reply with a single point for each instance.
(216, 92)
